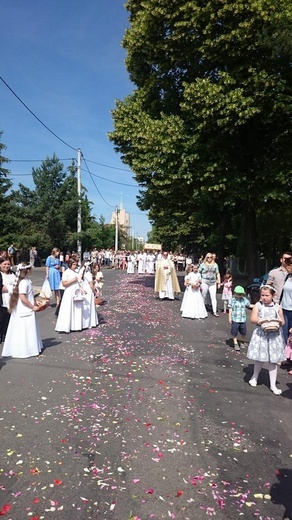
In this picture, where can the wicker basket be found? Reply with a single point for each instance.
(42, 305)
(270, 325)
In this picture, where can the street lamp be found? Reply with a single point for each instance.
(117, 230)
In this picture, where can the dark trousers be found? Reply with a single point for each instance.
(4, 320)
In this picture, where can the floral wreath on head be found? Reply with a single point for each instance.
(19, 268)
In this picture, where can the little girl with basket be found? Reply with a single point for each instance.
(267, 342)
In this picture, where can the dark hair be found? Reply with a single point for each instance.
(270, 288)
(71, 261)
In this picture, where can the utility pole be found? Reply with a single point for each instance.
(79, 248)
(117, 230)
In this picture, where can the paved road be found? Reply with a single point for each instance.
(162, 425)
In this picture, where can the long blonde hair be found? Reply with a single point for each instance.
(21, 272)
(205, 259)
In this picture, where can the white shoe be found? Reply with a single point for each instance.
(276, 391)
(253, 382)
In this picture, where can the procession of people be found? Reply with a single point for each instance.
(76, 285)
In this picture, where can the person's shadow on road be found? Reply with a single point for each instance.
(281, 491)
(50, 342)
(265, 380)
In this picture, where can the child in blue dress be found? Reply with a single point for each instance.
(267, 346)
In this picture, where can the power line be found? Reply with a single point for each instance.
(53, 133)
(95, 184)
(94, 174)
(70, 159)
(109, 180)
(75, 149)
(39, 120)
(107, 166)
(39, 160)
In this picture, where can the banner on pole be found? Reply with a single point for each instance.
(152, 247)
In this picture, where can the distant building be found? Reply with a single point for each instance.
(123, 219)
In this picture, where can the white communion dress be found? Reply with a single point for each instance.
(23, 339)
(193, 303)
(89, 311)
(70, 316)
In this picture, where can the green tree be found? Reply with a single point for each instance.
(207, 132)
(5, 185)
(47, 214)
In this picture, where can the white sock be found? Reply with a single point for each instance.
(272, 367)
(256, 370)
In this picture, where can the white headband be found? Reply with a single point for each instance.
(265, 285)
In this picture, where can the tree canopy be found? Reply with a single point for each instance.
(207, 130)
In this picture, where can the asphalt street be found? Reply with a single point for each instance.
(148, 416)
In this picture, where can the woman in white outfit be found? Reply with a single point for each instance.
(70, 316)
(23, 339)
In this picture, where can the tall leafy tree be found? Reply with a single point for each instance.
(207, 131)
(5, 185)
(47, 214)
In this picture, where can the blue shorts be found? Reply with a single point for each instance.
(238, 328)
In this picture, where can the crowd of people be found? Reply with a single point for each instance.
(76, 284)
(271, 340)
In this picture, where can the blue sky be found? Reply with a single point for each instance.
(64, 60)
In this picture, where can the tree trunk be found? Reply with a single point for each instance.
(251, 253)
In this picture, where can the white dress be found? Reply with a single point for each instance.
(8, 281)
(193, 303)
(267, 346)
(71, 311)
(150, 264)
(131, 264)
(141, 264)
(23, 337)
(89, 318)
(98, 284)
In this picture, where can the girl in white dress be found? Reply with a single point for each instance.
(193, 304)
(131, 264)
(266, 346)
(89, 312)
(98, 282)
(23, 338)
